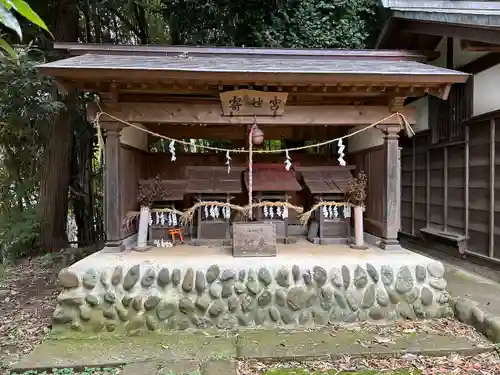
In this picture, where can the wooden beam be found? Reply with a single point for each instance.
(396, 104)
(240, 133)
(473, 46)
(173, 113)
(481, 64)
(486, 35)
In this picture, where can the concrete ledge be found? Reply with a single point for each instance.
(127, 294)
(468, 312)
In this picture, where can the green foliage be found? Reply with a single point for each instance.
(264, 23)
(26, 108)
(8, 8)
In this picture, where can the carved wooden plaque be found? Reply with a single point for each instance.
(253, 102)
(254, 240)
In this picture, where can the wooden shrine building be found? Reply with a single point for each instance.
(298, 97)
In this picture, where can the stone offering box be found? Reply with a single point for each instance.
(254, 239)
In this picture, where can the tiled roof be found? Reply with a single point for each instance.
(306, 65)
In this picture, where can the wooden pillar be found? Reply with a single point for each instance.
(112, 189)
(392, 193)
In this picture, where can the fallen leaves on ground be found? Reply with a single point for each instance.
(27, 301)
(482, 364)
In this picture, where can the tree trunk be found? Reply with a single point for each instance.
(53, 199)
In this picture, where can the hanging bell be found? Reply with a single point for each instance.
(257, 136)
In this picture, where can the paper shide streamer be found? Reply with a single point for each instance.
(288, 161)
(341, 153)
(171, 148)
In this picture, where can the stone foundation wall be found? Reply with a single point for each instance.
(155, 298)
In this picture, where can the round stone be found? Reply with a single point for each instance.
(227, 322)
(176, 277)
(70, 300)
(212, 273)
(188, 282)
(151, 323)
(404, 280)
(165, 310)
(227, 290)
(151, 302)
(239, 288)
(340, 300)
(412, 295)
(418, 309)
(346, 276)
(439, 284)
(265, 298)
(109, 314)
(62, 317)
(241, 275)
(296, 298)
(260, 317)
(131, 277)
(104, 279)
(492, 328)
(203, 302)
(282, 277)
(215, 290)
(436, 269)
(126, 300)
(253, 286)
(109, 297)
(287, 316)
(360, 278)
(280, 297)
(217, 308)
(92, 300)
(85, 313)
(304, 317)
(310, 297)
(382, 297)
(336, 277)
(111, 327)
(387, 274)
(89, 279)
(228, 274)
(349, 316)
(122, 314)
(274, 314)
(376, 313)
(186, 306)
(351, 301)
(368, 297)
(149, 278)
(116, 277)
(183, 324)
(320, 317)
(326, 293)
(233, 303)
(68, 279)
(200, 283)
(307, 277)
(163, 277)
(247, 303)
(244, 319)
(296, 273)
(372, 272)
(265, 276)
(443, 298)
(420, 273)
(319, 275)
(426, 296)
(393, 296)
(137, 303)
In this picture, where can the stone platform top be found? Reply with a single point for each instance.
(302, 253)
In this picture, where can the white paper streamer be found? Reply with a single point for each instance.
(278, 211)
(285, 212)
(171, 148)
(206, 212)
(212, 212)
(271, 212)
(335, 212)
(347, 210)
(174, 220)
(150, 219)
(341, 153)
(157, 218)
(266, 212)
(169, 219)
(325, 212)
(217, 212)
(228, 162)
(288, 161)
(162, 219)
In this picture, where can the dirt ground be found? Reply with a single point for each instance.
(27, 300)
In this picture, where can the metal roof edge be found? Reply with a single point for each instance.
(440, 5)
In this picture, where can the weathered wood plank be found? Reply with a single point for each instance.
(174, 113)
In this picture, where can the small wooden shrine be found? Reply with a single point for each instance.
(164, 222)
(330, 224)
(273, 183)
(213, 184)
